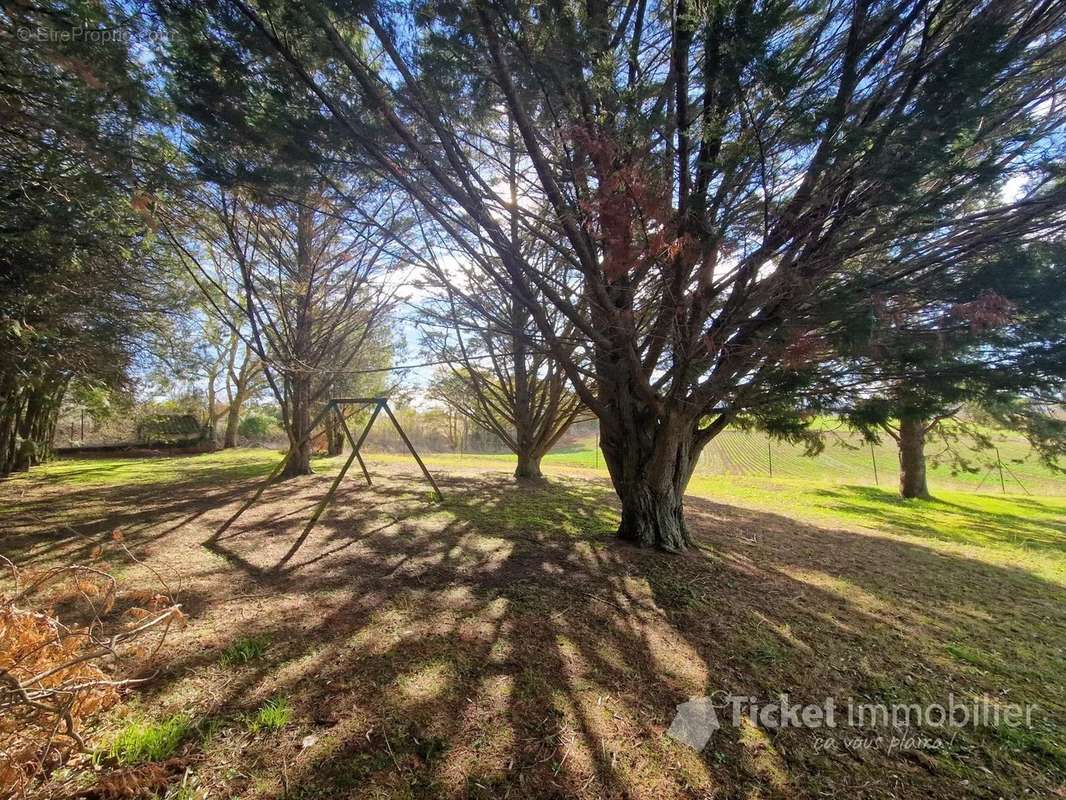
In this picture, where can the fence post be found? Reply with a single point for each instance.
(770, 456)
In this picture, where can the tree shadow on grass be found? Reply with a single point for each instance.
(504, 644)
(811, 611)
(443, 644)
(66, 527)
(532, 644)
(45, 522)
(968, 525)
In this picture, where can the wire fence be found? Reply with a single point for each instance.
(1009, 467)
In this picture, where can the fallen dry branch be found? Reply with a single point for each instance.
(57, 674)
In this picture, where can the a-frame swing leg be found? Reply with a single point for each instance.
(411, 447)
(355, 448)
(340, 476)
(329, 496)
(274, 472)
(362, 465)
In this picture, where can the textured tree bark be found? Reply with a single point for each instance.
(528, 465)
(233, 420)
(653, 515)
(650, 462)
(299, 430)
(912, 480)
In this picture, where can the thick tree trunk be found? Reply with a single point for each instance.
(299, 432)
(912, 482)
(650, 462)
(653, 515)
(528, 466)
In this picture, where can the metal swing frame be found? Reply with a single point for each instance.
(335, 406)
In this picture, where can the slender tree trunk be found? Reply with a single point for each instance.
(37, 410)
(334, 436)
(299, 431)
(525, 437)
(912, 482)
(8, 433)
(13, 405)
(233, 421)
(299, 383)
(242, 386)
(233, 394)
(650, 462)
(212, 416)
(528, 460)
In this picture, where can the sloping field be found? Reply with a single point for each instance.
(845, 460)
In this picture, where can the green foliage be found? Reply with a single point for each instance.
(100, 401)
(77, 169)
(272, 716)
(143, 740)
(254, 125)
(986, 335)
(257, 426)
(243, 651)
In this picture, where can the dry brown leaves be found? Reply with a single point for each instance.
(57, 674)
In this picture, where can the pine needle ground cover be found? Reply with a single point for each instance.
(503, 644)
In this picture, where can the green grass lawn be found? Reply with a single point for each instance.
(1002, 527)
(734, 453)
(846, 459)
(443, 649)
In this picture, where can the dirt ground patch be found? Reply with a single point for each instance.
(502, 644)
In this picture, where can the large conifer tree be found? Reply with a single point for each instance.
(712, 170)
(988, 335)
(78, 164)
